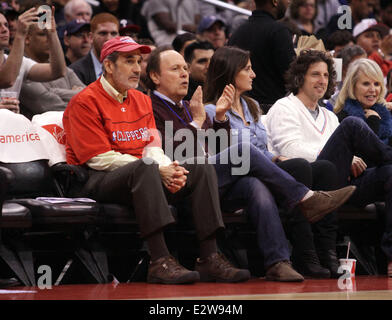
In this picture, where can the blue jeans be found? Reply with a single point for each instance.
(354, 137)
(255, 191)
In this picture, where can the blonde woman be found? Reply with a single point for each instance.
(362, 95)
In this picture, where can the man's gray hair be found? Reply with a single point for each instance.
(348, 53)
(68, 8)
(111, 57)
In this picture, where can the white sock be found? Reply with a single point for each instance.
(307, 195)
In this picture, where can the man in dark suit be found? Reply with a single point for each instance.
(271, 48)
(104, 26)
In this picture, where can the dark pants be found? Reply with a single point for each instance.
(139, 185)
(354, 137)
(318, 175)
(256, 191)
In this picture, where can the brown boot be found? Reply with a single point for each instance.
(324, 202)
(284, 272)
(168, 271)
(217, 268)
(390, 269)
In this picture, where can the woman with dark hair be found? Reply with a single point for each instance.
(312, 257)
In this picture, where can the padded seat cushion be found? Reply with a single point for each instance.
(60, 213)
(369, 212)
(15, 215)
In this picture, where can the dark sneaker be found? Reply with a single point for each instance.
(284, 272)
(329, 260)
(217, 268)
(308, 264)
(168, 271)
(324, 202)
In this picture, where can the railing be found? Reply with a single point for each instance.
(228, 6)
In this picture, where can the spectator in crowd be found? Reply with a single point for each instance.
(213, 29)
(143, 65)
(77, 40)
(369, 35)
(77, 10)
(303, 13)
(39, 97)
(386, 12)
(271, 46)
(325, 10)
(15, 69)
(126, 10)
(298, 127)
(232, 65)
(133, 171)
(363, 96)
(348, 55)
(182, 40)
(338, 40)
(207, 9)
(253, 189)
(12, 18)
(197, 55)
(14, 4)
(118, 8)
(389, 88)
(241, 18)
(129, 29)
(165, 19)
(359, 10)
(104, 26)
(74, 10)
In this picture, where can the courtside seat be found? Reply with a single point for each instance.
(14, 215)
(71, 221)
(14, 220)
(350, 212)
(60, 214)
(362, 227)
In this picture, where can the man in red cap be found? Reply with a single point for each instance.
(110, 129)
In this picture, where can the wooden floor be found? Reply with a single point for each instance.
(363, 288)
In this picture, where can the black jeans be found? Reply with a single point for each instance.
(354, 137)
(318, 175)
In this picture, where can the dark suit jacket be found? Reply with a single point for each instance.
(271, 48)
(163, 113)
(84, 69)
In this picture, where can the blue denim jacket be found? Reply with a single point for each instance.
(258, 134)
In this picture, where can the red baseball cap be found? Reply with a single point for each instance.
(122, 44)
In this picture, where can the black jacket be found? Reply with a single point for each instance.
(84, 69)
(271, 47)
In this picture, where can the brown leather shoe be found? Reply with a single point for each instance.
(390, 269)
(168, 271)
(324, 202)
(284, 272)
(217, 268)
